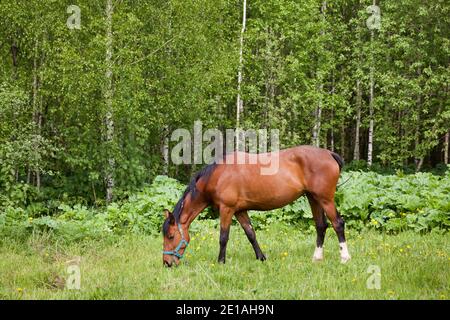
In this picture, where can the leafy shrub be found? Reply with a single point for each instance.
(389, 203)
(141, 213)
(393, 203)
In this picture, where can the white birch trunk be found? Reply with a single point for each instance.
(165, 151)
(371, 107)
(318, 112)
(317, 120)
(36, 110)
(356, 155)
(332, 115)
(371, 111)
(239, 101)
(342, 150)
(267, 101)
(109, 121)
(418, 158)
(446, 146)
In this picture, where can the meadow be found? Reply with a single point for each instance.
(411, 266)
(95, 97)
(396, 225)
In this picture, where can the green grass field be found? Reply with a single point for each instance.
(412, 266)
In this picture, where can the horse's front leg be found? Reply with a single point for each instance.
(226, 215)
(246, 224)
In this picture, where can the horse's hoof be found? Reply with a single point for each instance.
(262, 258)
(317, 259)
(345, 259)
(318, 254)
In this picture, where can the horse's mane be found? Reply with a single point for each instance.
(192, 190)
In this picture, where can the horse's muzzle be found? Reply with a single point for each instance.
(167, 264)
(170, 261)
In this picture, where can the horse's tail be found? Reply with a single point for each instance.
(338, 159)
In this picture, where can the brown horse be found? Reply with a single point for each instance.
(234, 187)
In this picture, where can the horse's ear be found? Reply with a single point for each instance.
(167, 213)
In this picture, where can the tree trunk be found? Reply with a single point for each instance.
(332, 116)
(332, 134)
(269, 81)
(28, 175)
(239, 101)
(446, 146)
(419, 164)
(317, 118)
(14, 54)
(370, 140)
(165, 150)
(419, 157)
(36, 110)
(318, 112)
(418, 153)
(358, 119)
(165, 134)
(371, 111)
(109, 121)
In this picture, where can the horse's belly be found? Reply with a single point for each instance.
(268, 199)
(244, 188)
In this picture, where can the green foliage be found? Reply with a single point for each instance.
(141, 213)
(393, 203)
(388, 203)
(173, 65)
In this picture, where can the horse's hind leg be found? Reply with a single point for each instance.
(244, 220)
(338, 225)
(321, 227)
(226, 216)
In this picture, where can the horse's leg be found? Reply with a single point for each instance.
(226, 215)
(321, 227)
(338, 225)
(244, 220)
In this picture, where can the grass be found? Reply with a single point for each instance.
(412, 267)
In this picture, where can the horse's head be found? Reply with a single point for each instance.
(175, 240)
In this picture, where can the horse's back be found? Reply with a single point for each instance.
(239, 180)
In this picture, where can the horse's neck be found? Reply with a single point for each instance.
(191, 210)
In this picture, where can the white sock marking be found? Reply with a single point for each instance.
(318, 254)
(345, 256)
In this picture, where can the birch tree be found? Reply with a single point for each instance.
(358, 119)
(318, 111)
(239, 101)
(373, 23)
(446, 146)
(108, 93)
